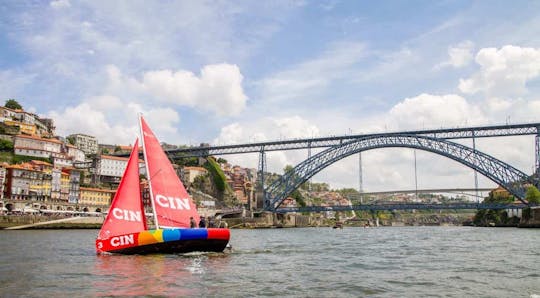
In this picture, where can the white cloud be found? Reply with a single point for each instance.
(512, 110)
(433, 111)
(60, 3)
(459, 55)
(267, 128)
(218, 89)
(503, 72)
(113, 121)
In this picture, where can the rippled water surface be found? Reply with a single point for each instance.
(309, 262)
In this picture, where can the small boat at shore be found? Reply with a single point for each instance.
(125, 231)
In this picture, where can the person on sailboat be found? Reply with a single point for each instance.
(211, 223)
(202, 222)
(192, 223)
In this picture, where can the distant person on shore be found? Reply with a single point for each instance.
(211, 223)
(192, 223)
(202, 222)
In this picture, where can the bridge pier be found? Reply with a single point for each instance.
(261, 201)
(537, 157)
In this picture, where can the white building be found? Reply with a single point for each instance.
(190, 173)
(88, 144)
(75, 153)
(36, 143)
(114, 166)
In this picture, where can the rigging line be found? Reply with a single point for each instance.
(170, 219)
(153, 176)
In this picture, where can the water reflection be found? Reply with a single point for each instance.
(157, 275)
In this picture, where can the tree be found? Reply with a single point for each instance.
(71, 140)
(6, 145)
(13, 104)
(532, 195)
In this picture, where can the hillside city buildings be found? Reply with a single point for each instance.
(76, 173)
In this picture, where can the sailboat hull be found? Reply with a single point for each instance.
(166, 241)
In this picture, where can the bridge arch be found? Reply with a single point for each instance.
(496, 170)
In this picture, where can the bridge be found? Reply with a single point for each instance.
(431, 190)
(401, 206)
(438, 141)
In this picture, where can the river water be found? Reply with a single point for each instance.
(307, 262)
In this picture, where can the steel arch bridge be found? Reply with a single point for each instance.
(496, 170)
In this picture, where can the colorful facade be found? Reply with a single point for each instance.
(96, 197)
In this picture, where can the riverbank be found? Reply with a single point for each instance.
(266, 220)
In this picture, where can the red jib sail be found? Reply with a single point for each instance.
(126, 214)
(172, 204)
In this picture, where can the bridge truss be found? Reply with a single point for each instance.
(339, 147)
(408, 206)
(326, 142)
(499, 172)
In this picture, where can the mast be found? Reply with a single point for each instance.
(148, 173)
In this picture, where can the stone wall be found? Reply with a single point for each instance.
(534, 219)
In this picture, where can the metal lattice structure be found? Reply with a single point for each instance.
(397, 206)
(326, 142)
(498, 171)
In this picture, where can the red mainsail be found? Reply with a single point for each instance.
(172, 204)
(126, 214)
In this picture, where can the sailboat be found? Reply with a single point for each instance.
(125, 230)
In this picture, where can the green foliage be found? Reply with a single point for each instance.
(297, 196)
(187, 161)
(71, 140)
(287, 168)
(347, 191)
(6, 156)
(23, 158)
(199, 182)
(117, 149)
(221, 160)
(320, 187)
(499, 198)
(6, 145)
(105, 151)
(214, 169)
(533, 195)
(13, 104)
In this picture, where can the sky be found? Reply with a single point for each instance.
(226, 72)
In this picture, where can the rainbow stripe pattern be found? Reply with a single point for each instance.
(151, 237)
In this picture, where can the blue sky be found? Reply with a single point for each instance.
(238, 71)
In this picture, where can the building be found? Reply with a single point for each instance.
(3, 176)
(96, 197)
(74, 185)
(76, 154)
(64, 187)
(57, 151)
(28, 123)
(26, 182)
(40, 147)
(88, 144)
(111, 168)
(190, 173)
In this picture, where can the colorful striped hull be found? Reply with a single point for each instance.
(166, 241)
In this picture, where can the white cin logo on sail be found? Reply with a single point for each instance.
(172, 202)
(128, 215)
